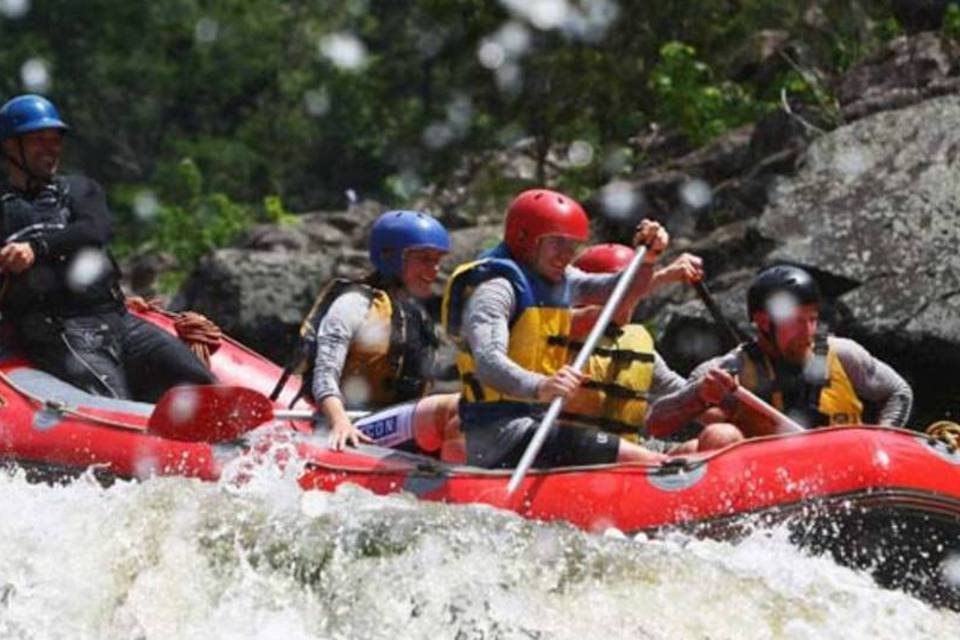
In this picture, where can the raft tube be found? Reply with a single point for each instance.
(886, 500)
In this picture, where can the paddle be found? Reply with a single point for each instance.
(553, 411)
(216, 413)
(782, 423)
(734, 334)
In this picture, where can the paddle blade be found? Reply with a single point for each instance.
(211, 413)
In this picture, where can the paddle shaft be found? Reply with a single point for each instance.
(309, 414)
(783, 422)
(553, 411)
(735, 335)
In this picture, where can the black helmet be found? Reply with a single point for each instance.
(781, 278)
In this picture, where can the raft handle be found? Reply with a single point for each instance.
(677, 465)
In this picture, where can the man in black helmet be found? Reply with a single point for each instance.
(60, 287)
(815, 379)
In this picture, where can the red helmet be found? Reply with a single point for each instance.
(605, 258)
(540, 212)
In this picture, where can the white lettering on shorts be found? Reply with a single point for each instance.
(391, 427)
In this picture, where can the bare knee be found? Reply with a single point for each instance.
(630, 452)
(718, 435)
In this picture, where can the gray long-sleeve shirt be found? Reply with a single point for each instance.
(343, 322)
(486, 326)
(872, 380)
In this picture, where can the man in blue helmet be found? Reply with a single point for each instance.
(817, 380)
(61, 288)
(370, 344)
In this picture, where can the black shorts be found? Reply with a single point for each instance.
(500, 445)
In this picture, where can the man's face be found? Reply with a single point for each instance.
(795, 331)
(421, 266)
(41, 151)
(554, 253)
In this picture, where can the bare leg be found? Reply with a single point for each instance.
(431, 420)
(630, 452)
(717, 436)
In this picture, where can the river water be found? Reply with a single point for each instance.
(176, 558)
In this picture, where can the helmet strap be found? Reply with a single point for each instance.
(32, 179)
(770, 336)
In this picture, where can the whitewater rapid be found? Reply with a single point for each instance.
(177, 558)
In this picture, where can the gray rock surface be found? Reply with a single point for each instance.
(878, 202)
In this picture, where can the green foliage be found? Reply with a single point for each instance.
(692, 100)
(187, 221)
(951, 22)
(271, 124)
(276, 213)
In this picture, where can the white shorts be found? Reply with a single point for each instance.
(391, 427)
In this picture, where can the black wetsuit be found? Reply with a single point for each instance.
(68, 310)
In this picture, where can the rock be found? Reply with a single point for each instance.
(465, 244)
(320, 232)
(699, 191)
(142, 271)
(268, 237)
(354, 222)
(877, 205)
(260, 297)
(908, 70)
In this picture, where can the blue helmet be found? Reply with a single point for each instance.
(395, 231)
(28, 113)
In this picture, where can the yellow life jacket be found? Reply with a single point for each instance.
(391, 356)
(539, 332)
(827, 396)
(620, 373)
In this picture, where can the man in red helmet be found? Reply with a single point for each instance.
(625, 372)
(510, 314)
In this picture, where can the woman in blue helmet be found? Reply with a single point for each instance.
(375, 343)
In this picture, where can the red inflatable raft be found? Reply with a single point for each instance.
(883, 499)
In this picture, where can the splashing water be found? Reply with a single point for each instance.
(172, 557)
(543, 14)
(345, 50)
(317, 102)
(356, 391)
(88, 266)
(815, 369)
(437, 135)
(206, 31)
(850, 164)
(183, 408)
(14, 9)
(951, 570)
(491, 54)
(621, 201)
(696, 194)
(146, 205)
(580, 153)
(35, 75)
(509, 78)
(782, 306)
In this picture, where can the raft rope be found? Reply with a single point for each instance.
(201, 335)
(196, 330)
(946, 432)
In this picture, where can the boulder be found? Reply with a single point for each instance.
(260, 297)
(877, 204)
(906, 71)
